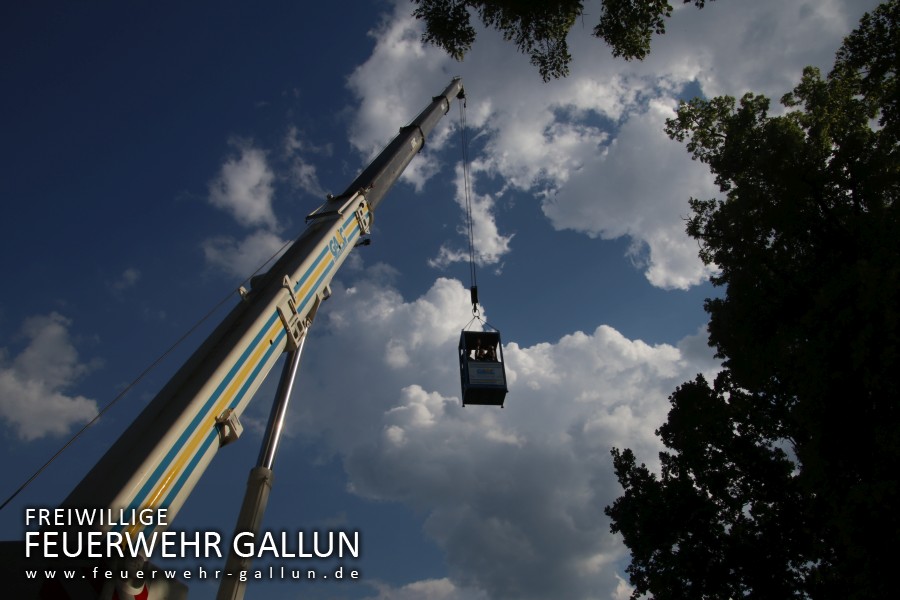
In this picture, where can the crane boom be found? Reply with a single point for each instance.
(160, 457)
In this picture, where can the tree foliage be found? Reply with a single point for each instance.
(539, 27)
(781, 478)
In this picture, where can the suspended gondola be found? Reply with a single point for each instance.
(481, 370)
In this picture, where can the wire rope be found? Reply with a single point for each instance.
(464, 143)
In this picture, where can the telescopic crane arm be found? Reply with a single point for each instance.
(158, 460)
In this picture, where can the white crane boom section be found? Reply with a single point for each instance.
(158, 460)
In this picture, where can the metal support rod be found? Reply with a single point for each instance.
(259, 483)
(279, 408)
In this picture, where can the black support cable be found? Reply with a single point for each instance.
(464, 142)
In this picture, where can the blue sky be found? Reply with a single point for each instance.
(153, 154)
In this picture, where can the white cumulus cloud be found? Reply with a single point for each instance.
(428, 589)
(303, 174)
(34, 386)
(244, 187)
(643, 186)
(591, 147)
(490, 245)
(514, 497)
(241, 258)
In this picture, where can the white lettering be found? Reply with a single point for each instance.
(246, 549)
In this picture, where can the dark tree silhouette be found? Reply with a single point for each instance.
(539, 27)
(781, 478)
